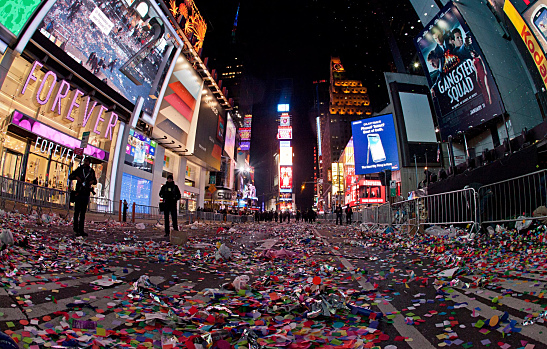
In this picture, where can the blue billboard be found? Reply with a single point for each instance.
(375, 144)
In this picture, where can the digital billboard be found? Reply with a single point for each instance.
(285, 177)
(140, 151)
(207, 147)
(282, 108)
(285, 155)
(337, 178)
(284, 132)
(463, 91)
(285, 120)
(190, 20)
(375, 144)
(531, 24)
(220, 129)
(230, 144)
(245, 146)
(122, 45)
(245, 133)
(14, 14)
(247, 121)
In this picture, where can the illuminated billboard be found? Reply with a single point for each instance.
(245, 146)
(285, 156)
(463, 91)
(285, 120)
(531, 24)
(245, 133)
(230, 144)
(281, 108)
(375, 144)
(190, 20)
(14, 14)
(285, 175)
(207, 147)
(247, 121)
(284, 132)
(121, 46)
(140, 151)
(337, 178)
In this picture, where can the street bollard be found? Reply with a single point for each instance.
(133, 213)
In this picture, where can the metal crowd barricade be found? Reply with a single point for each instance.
(32, 195)
(505, 201)
(148, 212)
(102, 205)
(451, 208)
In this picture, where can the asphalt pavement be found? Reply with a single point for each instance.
(129, 287)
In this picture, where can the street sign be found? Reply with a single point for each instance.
(85, 139)
(79, 151)
(212, 188)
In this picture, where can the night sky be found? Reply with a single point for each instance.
(295, 40)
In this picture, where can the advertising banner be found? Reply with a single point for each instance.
(285, 156)
(230, 144)
(337, 178)
(247, 121)
(121, 45)
(14, 14)
(245, 133)
(140, 151)
(461, 83)
(532, 27)
(245, 146)
(285, 120)
(285, 175)
(208, 148)
(375, 144)
(284, 132)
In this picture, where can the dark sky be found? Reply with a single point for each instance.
(295, 40)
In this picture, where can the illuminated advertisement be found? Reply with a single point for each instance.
(140, 151)
(245, 146)
(349, 158)
(285, 120)
(375, 144)
(282, 108)
(285, 175)
(14, 14)
(285, 156)
(245, 133)
(531, 24)
(207, 147)
(284, 132)
(220, 129)
(463, 91)
(229, 146)
(247, 121)
(337, 178)
(120, 45)
(189, 19)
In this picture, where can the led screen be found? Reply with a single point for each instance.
(140, 151)
(375, 144)
(285, 156)
(245, 146)
(230, 144)
(136, 189)
(122, 46)
(463, 91)
(245, 133)
(14, 14)
(208, 147)
(282, 108)
(284, 132)
(285, 175)
(247, 121)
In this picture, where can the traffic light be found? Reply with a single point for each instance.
(385, 177)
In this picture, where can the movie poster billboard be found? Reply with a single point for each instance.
(230, 144)
(460, 79)
(285, 175)
(120, 44)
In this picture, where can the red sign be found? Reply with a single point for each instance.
(284, 132)
(79, 151)
(245, 133)
(285, 175)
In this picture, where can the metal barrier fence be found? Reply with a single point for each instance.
(102, 205)
(32, 195)
(148, 212)
(219, 217)
(506, 200)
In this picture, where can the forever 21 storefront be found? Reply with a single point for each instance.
(83, 68)
(42, 119)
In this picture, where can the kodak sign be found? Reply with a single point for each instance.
(526, 35)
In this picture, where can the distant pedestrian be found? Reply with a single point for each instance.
(125, 208)
(349, 214)
(339, 215)
(85, 179)
(170, 194)
(276, 215)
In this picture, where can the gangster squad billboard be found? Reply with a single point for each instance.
(462, 87)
